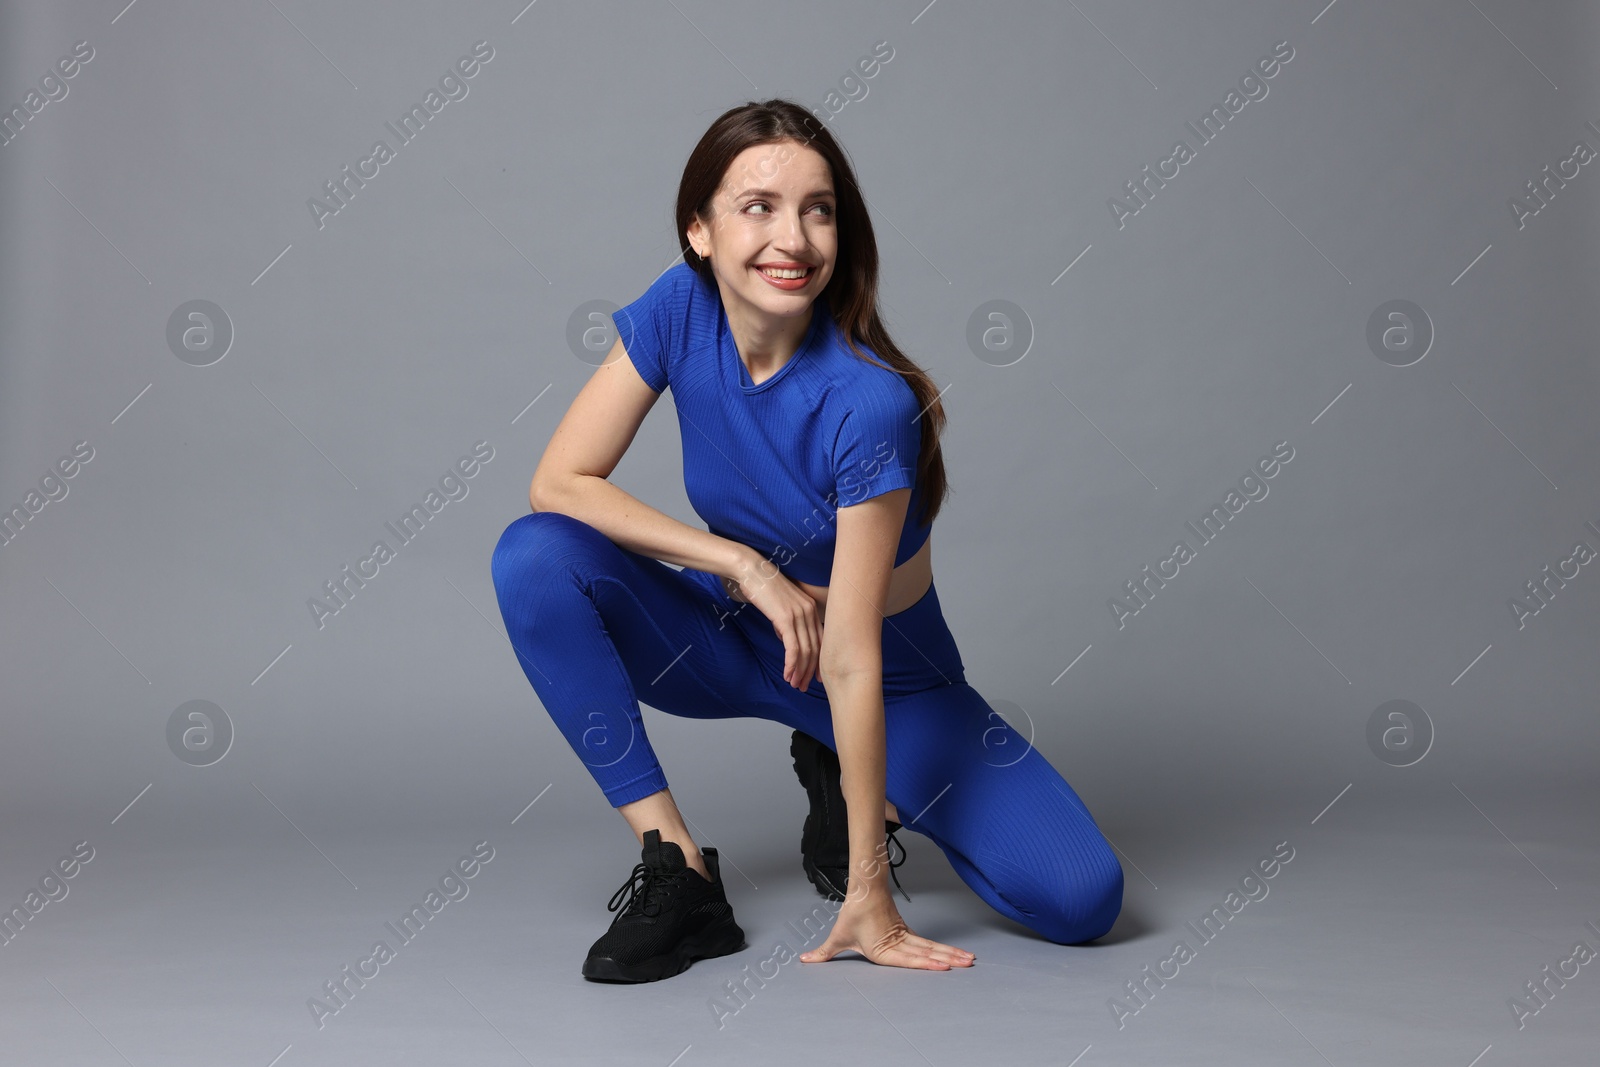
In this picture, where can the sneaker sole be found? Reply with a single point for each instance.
(722, 940)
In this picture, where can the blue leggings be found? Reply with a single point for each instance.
(596, 627)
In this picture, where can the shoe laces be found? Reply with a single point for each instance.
(646, 891)
(893, 863)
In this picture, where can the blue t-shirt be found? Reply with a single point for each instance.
(768, 465)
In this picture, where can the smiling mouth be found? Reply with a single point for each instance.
(786, 274)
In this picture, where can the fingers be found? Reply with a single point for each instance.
(802, 643)
(822, 952)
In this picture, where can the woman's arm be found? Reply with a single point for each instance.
(852, 657)
(851, 668)
(587, 446)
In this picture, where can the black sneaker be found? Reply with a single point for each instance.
(671, 916)
(825, 838)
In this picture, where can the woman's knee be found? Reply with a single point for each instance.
(1089, 902)
(539, 540)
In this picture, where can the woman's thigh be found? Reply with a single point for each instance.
(583, 611)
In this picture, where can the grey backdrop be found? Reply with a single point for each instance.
(1137, 372)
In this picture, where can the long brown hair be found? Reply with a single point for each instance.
(852, 291)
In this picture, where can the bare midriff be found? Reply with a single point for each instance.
(908, 583)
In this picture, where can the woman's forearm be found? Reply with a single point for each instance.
(640, 528)
(856, 701)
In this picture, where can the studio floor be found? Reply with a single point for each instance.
(1402, 929)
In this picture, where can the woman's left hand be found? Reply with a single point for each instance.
(871, 925)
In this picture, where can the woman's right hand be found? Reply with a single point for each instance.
(792, 612)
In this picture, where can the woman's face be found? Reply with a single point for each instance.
(774, 209)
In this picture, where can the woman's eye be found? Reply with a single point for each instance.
(753, 206)
(827, 210)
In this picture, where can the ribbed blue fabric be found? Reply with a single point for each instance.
(597, 627)
(768, 465)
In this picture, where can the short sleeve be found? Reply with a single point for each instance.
(646, 328)
(877, 446)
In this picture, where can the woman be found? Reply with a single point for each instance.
(808, 601)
